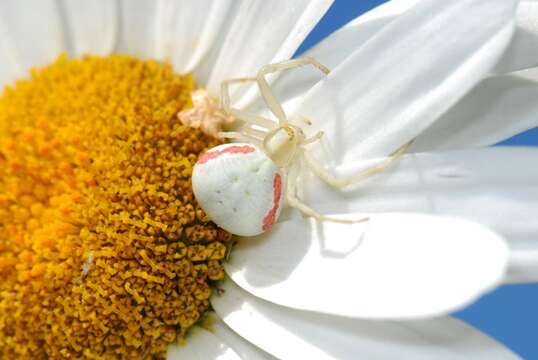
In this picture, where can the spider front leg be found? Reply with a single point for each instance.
(250, 119)
(343, 181)
(295, 202)
(317, 136)
(244, 134)
(265, 90)
(238, 135)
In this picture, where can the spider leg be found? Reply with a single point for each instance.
(265, 90)
(225, 91)
(314, 138)
(343, 181)
(253, 119)
(234, 135)
(255, 133)
(242, 115)
(246, 134)
(295, 202)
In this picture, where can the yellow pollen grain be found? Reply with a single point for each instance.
(104, 252)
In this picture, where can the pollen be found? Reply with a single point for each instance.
(104, 252)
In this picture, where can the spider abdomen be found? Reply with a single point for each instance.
(239, 187)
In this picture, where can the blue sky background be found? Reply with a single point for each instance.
(510, 314)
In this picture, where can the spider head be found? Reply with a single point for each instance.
(282, 143)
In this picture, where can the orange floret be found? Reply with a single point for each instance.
(104, 252)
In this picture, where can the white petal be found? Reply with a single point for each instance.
(188, 29)
(263, 32)
(138, 27)
(395, 266)
(92, 26)
(11, 68)
(293, 334)
(245, 349)
(203, 70)
(201, 345)
(498, 108)
(523, 50)
(405, 77)
(334, 49)
(523, 262)
(34, 31)
(497, 187)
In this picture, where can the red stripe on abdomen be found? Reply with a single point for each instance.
(236, 149)
(270, 218)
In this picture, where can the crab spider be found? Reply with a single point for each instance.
(240, 185)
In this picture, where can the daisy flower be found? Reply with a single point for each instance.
(447, 223)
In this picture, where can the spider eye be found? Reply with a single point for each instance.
(291, 132)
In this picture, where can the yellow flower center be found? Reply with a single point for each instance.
(103, 250)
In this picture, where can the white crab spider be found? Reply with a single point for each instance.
(241, 187)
